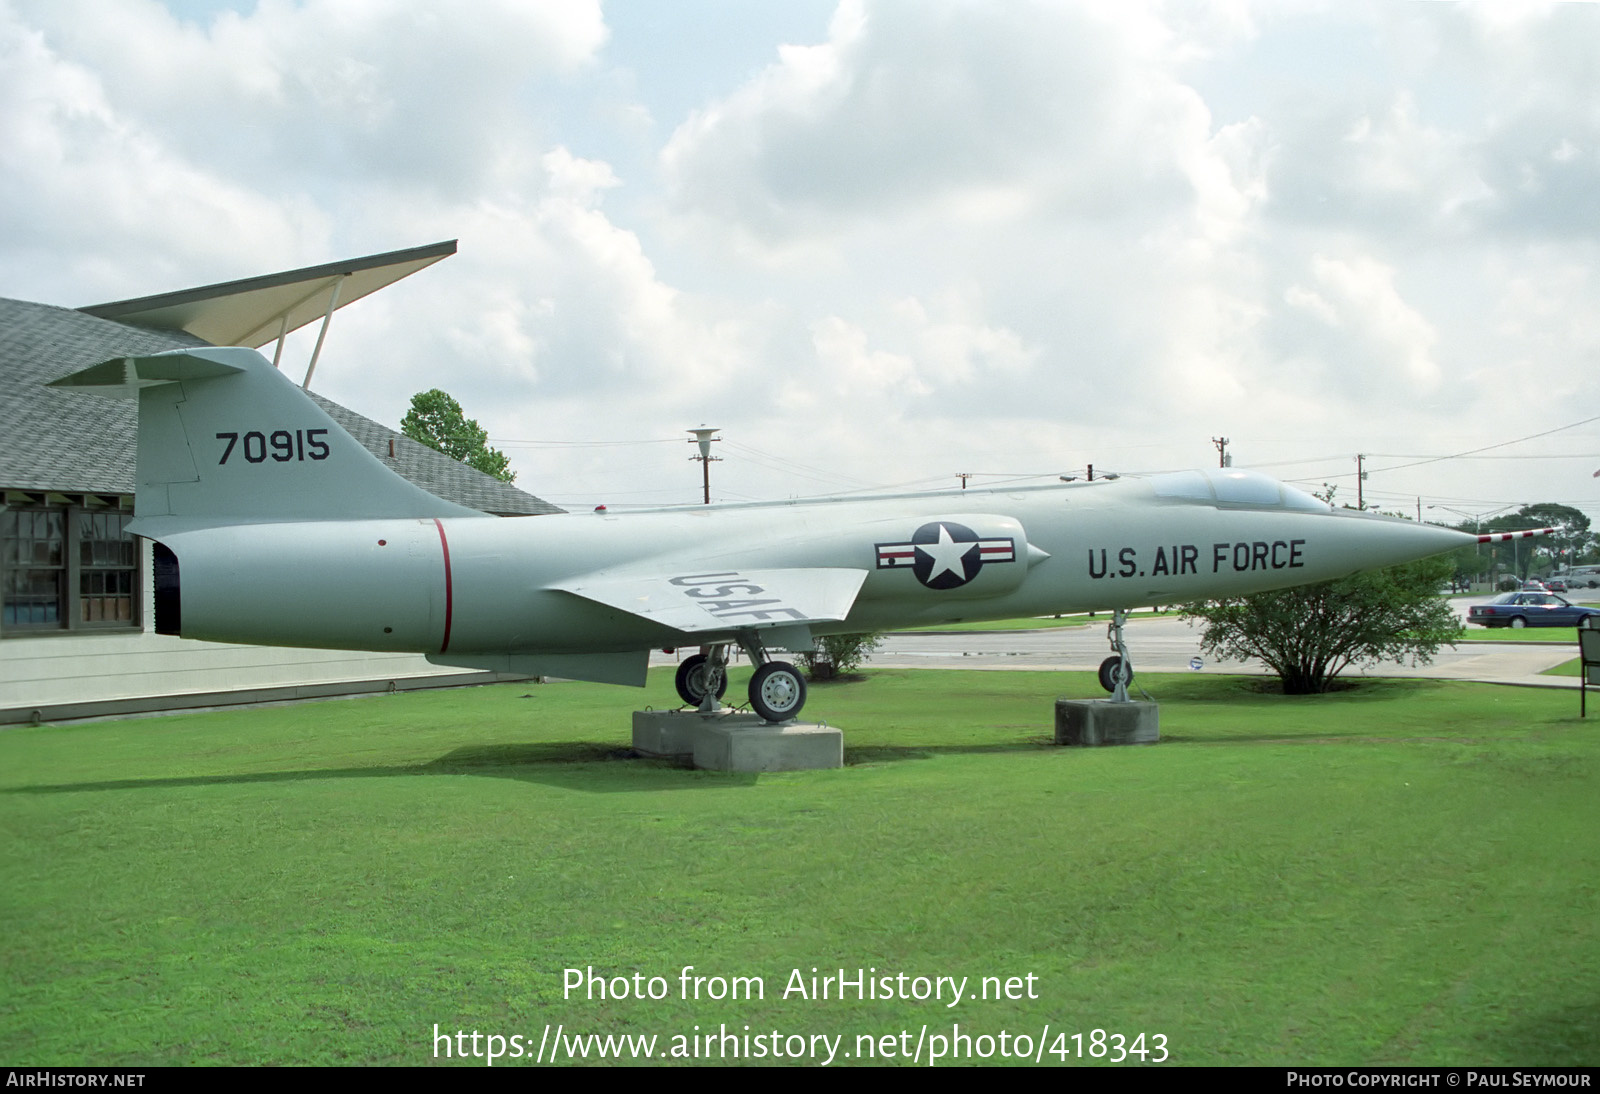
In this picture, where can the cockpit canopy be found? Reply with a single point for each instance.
(1227, 486)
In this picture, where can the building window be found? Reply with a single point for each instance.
(33, 549)
(67, 563)
(108, 568)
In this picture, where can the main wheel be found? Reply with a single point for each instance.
(691, 680)
(1517, 622)
(777, 691)
(1108, 673)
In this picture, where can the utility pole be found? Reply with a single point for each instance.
(1361, 477)
(1222, 450)
(703, 438)
(964, 476)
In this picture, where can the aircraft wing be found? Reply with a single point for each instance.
(728, 600)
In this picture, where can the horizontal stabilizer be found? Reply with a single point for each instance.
(123, 377)
(728, 600)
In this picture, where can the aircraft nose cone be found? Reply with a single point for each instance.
(1389, 541)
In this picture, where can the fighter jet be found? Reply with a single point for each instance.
(274, 526)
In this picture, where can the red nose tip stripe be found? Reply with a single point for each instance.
(444, 646)
(1501, 537)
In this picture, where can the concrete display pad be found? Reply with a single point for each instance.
(737, 742)
(666, 732)
(1102, 722)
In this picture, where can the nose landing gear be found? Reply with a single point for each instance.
(1116, 671)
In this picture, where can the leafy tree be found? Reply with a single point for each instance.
(438, 421)
(1572, 533)
(1521, 557)
(1569, 546)
(1311, 634)
(844, 652)
(1470, 563)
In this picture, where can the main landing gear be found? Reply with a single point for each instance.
(777, 690)
(1116, 671)
(695, 674)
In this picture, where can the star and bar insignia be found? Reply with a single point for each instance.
(945, 555)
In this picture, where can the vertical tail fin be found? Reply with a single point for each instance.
(225, 438)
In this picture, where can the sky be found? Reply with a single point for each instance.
(876, 244)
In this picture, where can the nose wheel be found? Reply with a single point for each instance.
(1116, 671)
(1111, 669)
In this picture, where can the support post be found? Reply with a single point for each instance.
(283, 333)
(333, 304)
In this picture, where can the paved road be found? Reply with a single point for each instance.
(1166, 644)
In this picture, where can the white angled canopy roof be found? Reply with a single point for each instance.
(252, 312)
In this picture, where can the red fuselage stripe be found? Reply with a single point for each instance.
(449, 595)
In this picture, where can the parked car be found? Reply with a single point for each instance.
(1529, 610)
(1556, 585)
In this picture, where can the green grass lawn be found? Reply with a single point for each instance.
(1566, 668)
(1550, 635)
(1401, 873)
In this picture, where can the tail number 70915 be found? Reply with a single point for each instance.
(281, 445)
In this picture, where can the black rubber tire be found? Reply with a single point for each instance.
(691, 677)
(1108, 668)
(777, 691)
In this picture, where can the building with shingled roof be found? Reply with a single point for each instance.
(76, 634)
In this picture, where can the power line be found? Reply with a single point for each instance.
(1489, 447)
(776, 462)
(579, 444)
(1508, 456)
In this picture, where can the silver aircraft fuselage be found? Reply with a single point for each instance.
(275, 526)
(461, 586)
